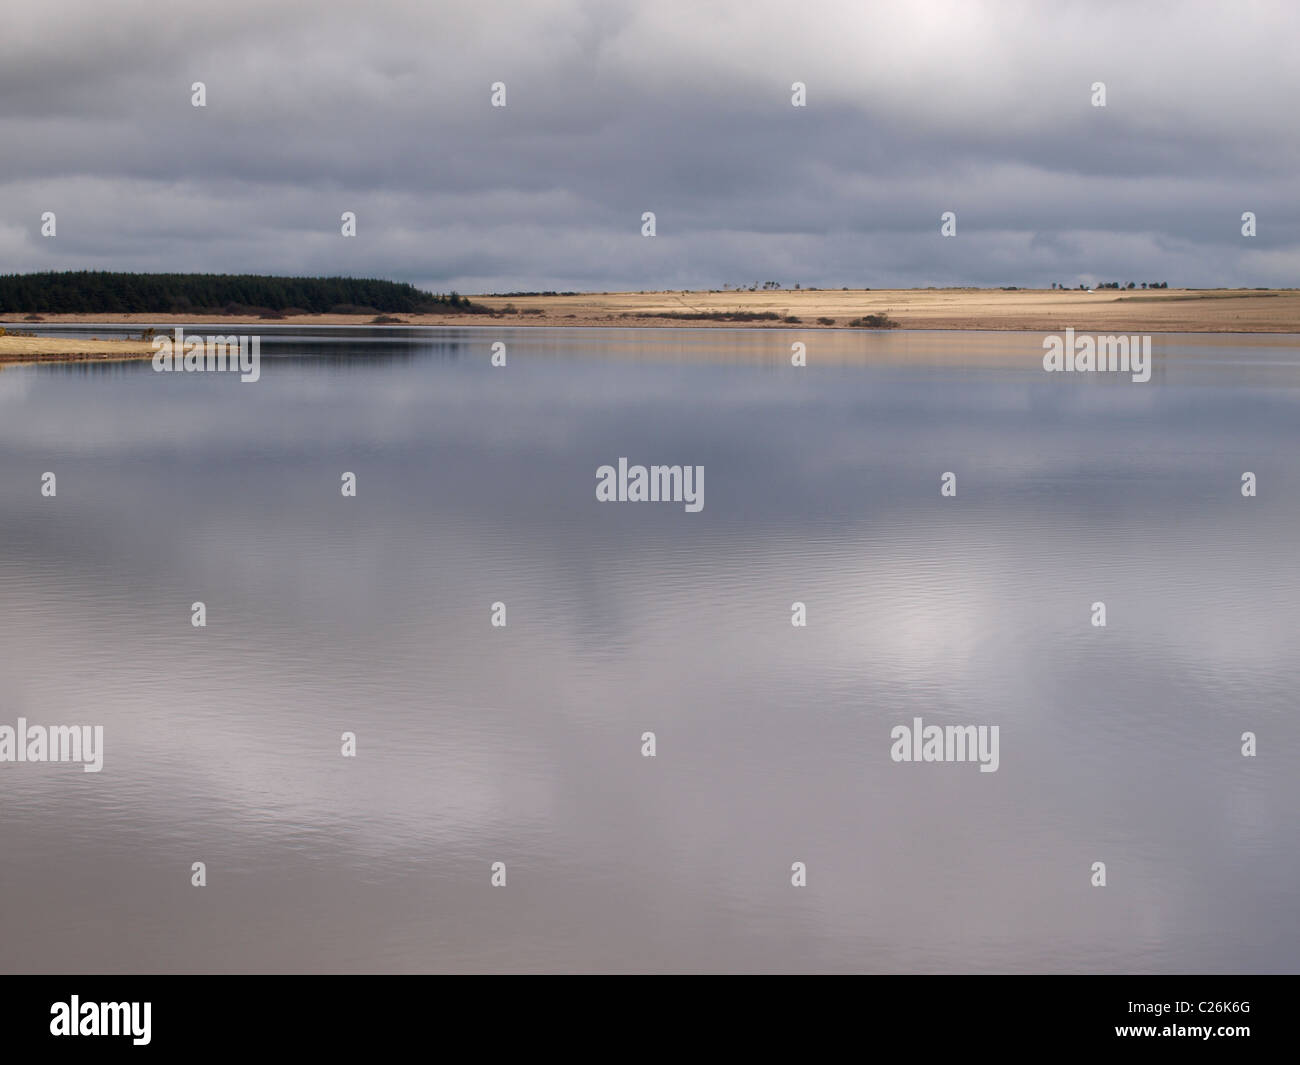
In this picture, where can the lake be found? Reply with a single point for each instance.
(522, 744)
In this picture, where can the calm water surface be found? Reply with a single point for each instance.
(523, 745)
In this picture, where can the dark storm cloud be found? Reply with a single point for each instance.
(678, 108)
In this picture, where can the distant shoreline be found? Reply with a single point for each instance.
(1228, 311)
(1144, 310)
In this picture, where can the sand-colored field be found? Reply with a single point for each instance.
(1149, 311)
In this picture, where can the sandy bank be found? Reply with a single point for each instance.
(55, 349)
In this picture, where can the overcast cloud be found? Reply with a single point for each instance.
(382, 107)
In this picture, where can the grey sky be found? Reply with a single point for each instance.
(382, 107)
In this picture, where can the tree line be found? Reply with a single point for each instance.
(1116, 284)
(94, 292)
